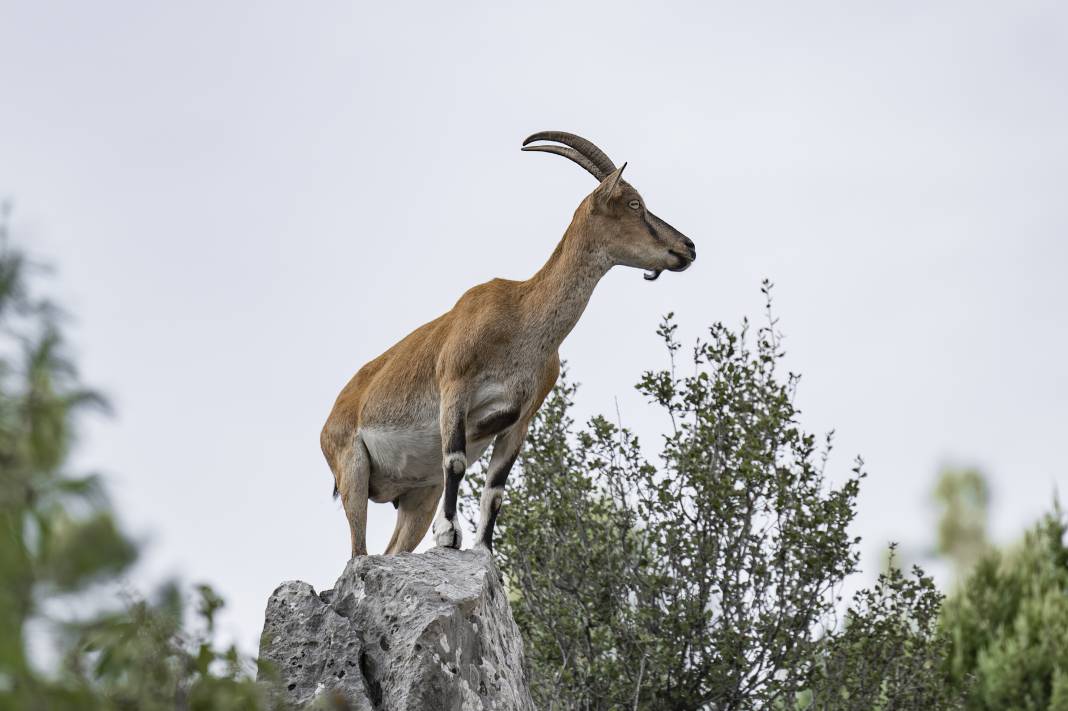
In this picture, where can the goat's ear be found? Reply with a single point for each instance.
(610, 185)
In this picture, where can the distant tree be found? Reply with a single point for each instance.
(1008, 624)
(707, 581)
(59, 540)
(964, 499)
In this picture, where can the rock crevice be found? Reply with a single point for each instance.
(408, 632)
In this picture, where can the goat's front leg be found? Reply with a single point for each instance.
(505, 450)
(454, 463)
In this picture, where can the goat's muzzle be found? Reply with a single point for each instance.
(683, 261)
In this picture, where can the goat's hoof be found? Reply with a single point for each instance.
(447, 534)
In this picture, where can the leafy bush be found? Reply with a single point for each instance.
(889, 653)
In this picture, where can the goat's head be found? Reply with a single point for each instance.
(628, 232)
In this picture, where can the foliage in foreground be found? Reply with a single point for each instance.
(708, 581)
(60, 544)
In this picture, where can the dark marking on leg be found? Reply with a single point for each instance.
(457, 445)
(495, 482)
(499, 477)
(487, 532)
(496, 423)
(452, 486)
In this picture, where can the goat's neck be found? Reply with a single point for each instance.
(557, 295)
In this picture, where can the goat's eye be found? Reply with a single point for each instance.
(634, 204)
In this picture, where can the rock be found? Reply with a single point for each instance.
(400, 633)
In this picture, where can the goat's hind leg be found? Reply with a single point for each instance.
(415, 511)
(353, 481)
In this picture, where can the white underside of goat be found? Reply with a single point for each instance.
(404, 458)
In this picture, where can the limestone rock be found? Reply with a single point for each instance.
(400, 633)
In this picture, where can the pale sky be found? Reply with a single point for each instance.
(245, 202)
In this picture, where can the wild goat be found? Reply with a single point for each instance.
(408, 423)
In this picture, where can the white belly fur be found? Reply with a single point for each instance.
(409, 457)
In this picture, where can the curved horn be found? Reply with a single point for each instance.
(580, 145)
(571, 154)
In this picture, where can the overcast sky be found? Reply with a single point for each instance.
(247, 201)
